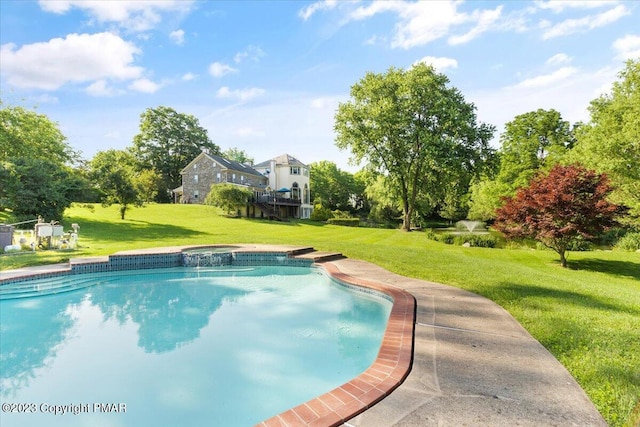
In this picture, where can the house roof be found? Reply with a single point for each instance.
(284, 159)
(226, 164)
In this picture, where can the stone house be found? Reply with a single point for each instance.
(279, 187)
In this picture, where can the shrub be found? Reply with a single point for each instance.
(430, 234)
(320, 213)
(629, 242)
(447, 238)
(476, 240)
(349, 222)
(579, 244)
(340, 214)
(611, 237)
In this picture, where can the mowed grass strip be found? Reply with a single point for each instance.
(588, 315)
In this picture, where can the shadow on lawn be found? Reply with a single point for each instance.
(139, 230)
(537, 294)
(614, 267)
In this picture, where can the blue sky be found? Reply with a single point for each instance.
(267, 76)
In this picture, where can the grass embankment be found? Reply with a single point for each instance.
(588, 315)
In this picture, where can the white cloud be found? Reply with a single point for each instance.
(548, 79)
(627, 47)
(100, 88)
(144, 86)
(248, 132)
(324, 103)
(373, 40)
(439, 63)
(45, 98)
(76, 58)
(134, 15)
(419, 23)
(114, 134)
(422, 22)
(239, 94)
(254, 53)
(177, 37)
(558, 59)
(557, 6)
(188, 77)
(306, 12)
(486, 20)
(570, 96)
(218, 69)
(572, 26)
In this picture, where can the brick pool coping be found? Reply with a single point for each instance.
(388, 371)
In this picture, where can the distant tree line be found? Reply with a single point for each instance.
(425, 155)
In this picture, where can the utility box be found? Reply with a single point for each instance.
(6, 235)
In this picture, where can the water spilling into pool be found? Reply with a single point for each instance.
(223, 346)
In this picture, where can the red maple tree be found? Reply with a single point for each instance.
(557, 208)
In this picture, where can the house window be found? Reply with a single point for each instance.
(218, 177)
(195, 166)
(242, 179)
(295, 170)
(305, 171)
(196, 194)
(195, 178)
(233, 178)
(295, 191)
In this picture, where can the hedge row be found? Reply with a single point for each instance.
(349, 222)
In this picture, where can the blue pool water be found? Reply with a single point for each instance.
(227, 346)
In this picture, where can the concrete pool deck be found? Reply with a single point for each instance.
(473, 364)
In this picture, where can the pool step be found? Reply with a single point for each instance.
(40, 287)
(320, 256)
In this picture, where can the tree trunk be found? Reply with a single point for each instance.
(406, 221)
(563, 259)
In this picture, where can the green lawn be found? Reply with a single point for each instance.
(588, 315)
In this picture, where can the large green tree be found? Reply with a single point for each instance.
(114, 173)
(334, 188)
(610, 142)
(167, 142)
(414, 128)
(237, 155)
(35, 174)
(34, 187)
(27, 134)
(531, 142)
(385, 206)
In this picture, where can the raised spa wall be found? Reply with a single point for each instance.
(188, 257)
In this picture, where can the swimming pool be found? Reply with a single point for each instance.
(156, 341)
